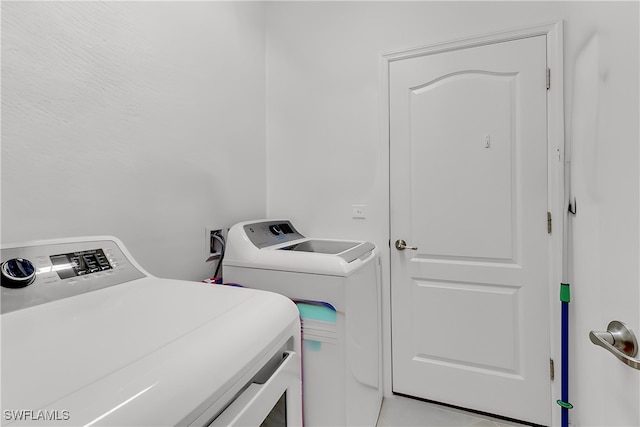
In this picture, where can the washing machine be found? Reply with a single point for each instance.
(90, 338)
(336, 286)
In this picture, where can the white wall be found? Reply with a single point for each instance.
(325, 151)
(144, 120)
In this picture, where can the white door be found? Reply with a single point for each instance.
(470, 306)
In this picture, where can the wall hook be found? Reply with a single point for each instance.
(573, 207)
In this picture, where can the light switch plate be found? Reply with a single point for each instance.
(359, 211)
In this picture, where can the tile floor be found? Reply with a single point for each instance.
(400, 411)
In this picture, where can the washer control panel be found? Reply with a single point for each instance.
(39, 273)
(270, 233)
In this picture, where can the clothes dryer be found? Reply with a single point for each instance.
(90, 338)
(337, 288)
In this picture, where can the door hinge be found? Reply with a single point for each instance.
(552, 370)
(548, 78)
(549, 222)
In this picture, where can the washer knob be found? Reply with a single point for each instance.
(275, 229)
(18, 273)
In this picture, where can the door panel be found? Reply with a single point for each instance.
(470, 306)
(477, 219)
(480, 345)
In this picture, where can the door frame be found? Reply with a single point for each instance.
(556, 181)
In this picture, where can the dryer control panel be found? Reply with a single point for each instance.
(38, 273)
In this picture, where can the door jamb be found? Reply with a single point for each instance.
(556, 190)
